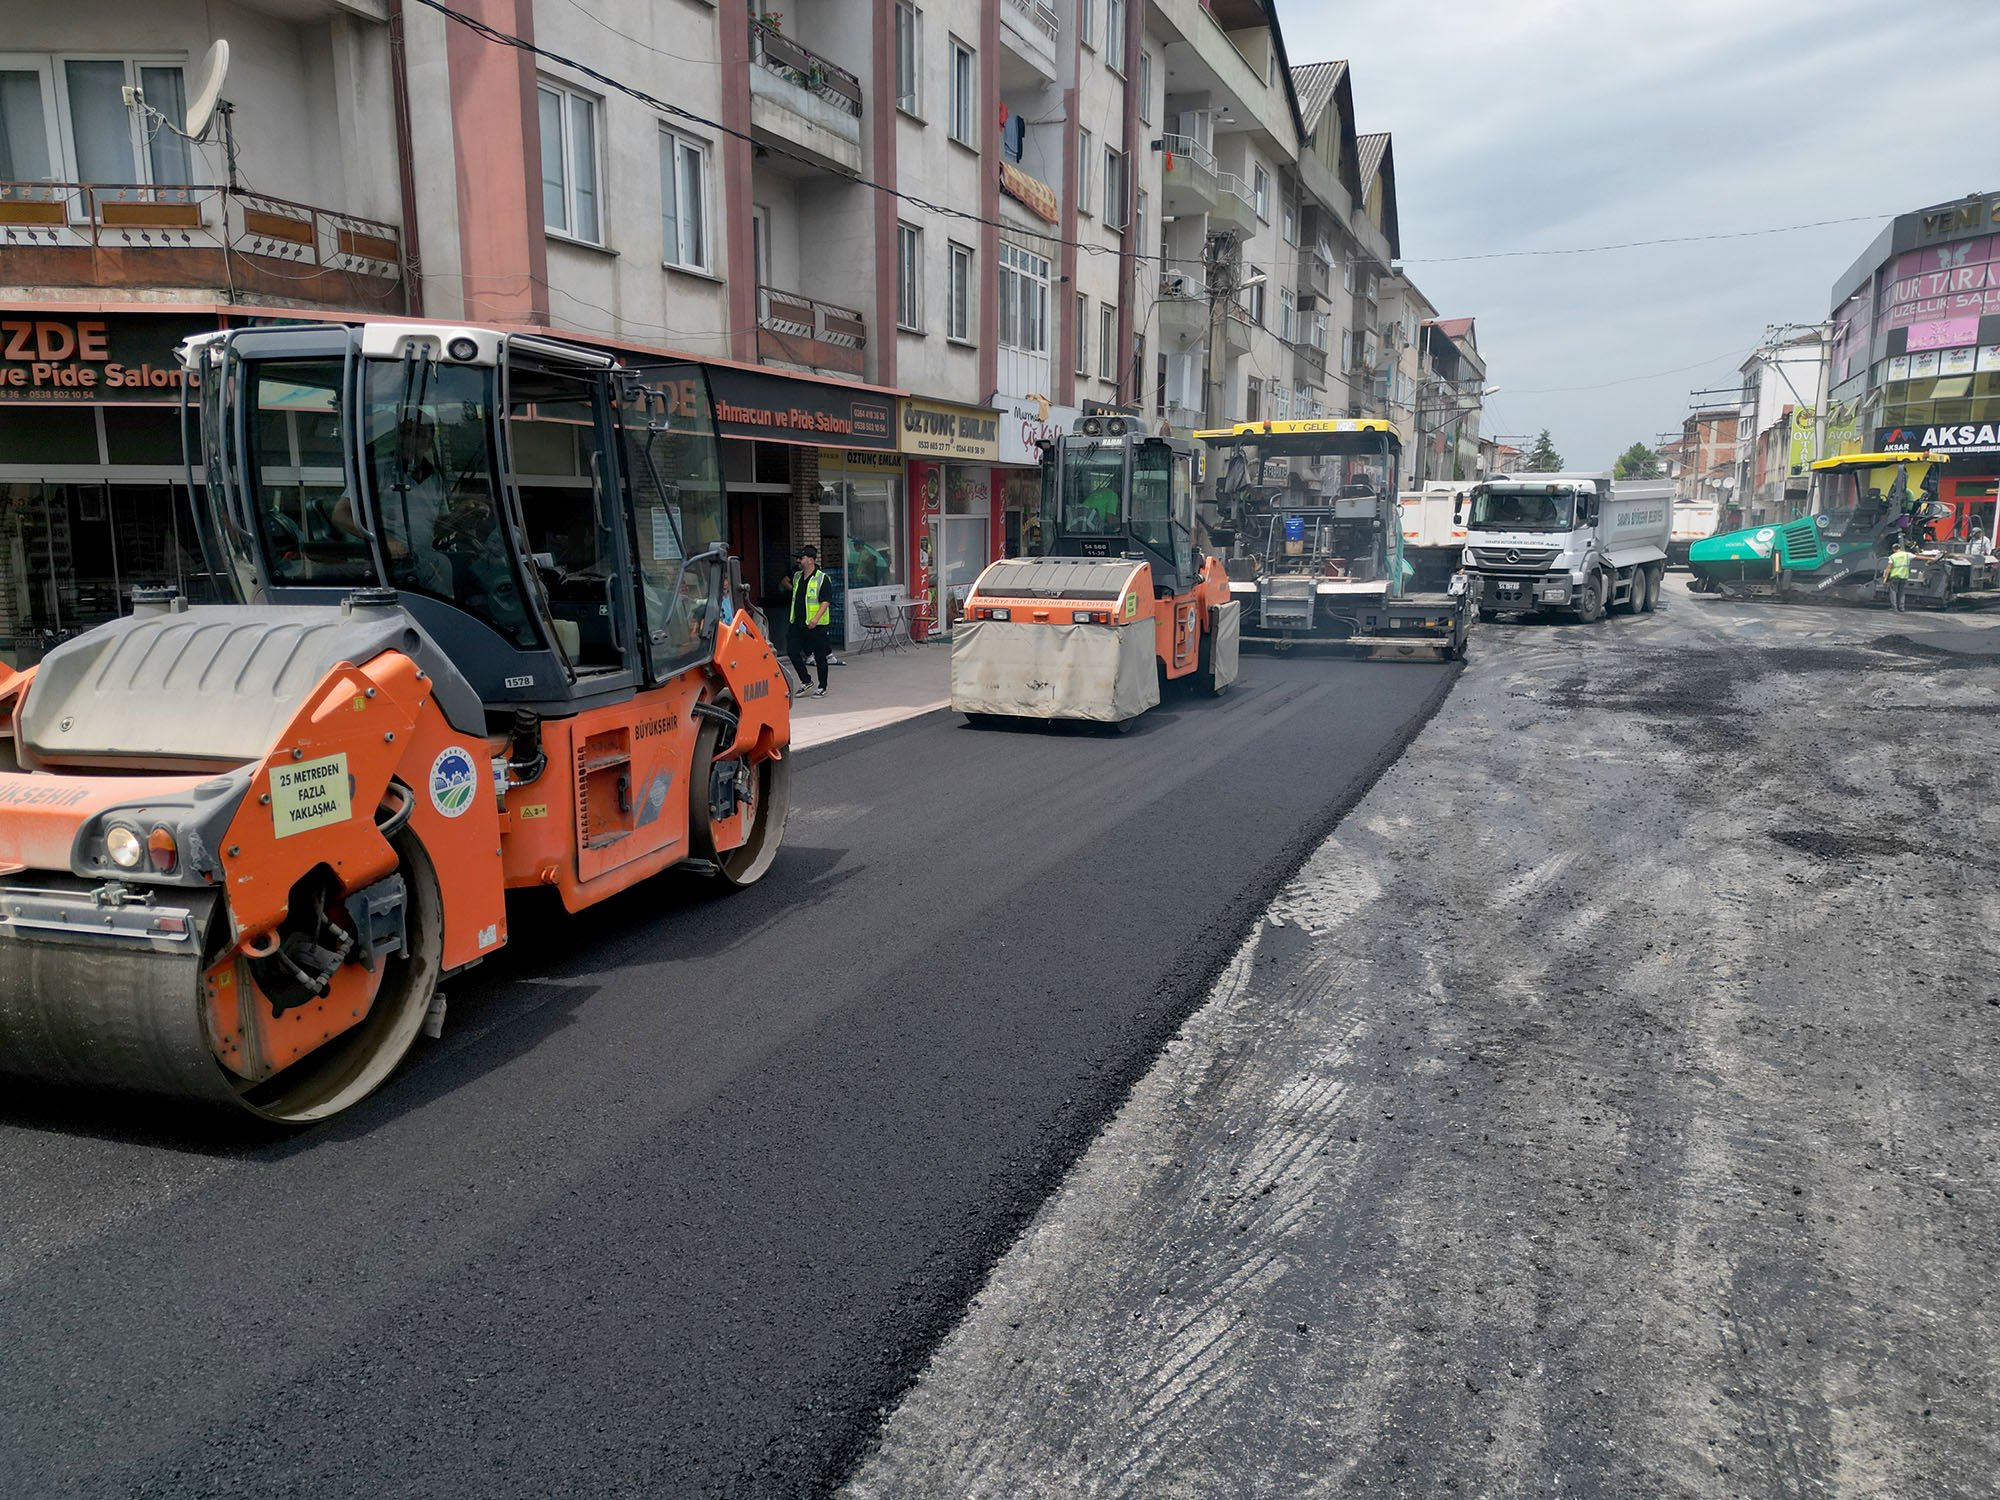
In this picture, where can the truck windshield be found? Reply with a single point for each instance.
(1523, 508)
(1093, 478)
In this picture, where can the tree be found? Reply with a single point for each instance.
(1637, 462)
(1542, 458)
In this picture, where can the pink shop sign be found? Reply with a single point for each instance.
(1948, 334)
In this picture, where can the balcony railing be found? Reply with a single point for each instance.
(801, 330)
(141, 235)
(805, 68)
(1039, 15)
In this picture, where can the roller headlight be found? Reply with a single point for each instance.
(124, 846)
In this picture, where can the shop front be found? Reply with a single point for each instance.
(93, 494)
(806, 462)
(956, 519)
(1024, 425)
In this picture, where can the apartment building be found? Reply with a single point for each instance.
(1450, 398)
(905, 238)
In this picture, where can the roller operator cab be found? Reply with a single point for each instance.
(1859, 504)
(1121, 603)
(1573, 544)
(1314, 532)
(485, 636)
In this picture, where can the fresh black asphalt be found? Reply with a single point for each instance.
(692, 1184)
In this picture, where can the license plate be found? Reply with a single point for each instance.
(1510, 591)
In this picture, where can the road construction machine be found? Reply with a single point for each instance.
(1120, 604)
(485, 635)
(1858, 505)
(1307, 511)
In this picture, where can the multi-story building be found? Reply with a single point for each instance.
(1451, 395)
(1701, 461)
(1916, 349)
(1778, 425)
(905, 238)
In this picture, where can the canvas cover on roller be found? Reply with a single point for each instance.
(1099, 672)
(1223, 650)
(1063, 578)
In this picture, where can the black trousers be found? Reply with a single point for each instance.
(810, 640)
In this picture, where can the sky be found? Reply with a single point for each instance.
(1553, 124)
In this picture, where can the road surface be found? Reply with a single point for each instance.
(691, 1186)
(1610, 1107)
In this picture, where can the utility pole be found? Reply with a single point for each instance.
(1221, 263)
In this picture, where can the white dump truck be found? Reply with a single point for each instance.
(1571, 543)
(1434, 530)
(1694, 521)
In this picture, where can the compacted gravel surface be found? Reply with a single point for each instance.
(1607, 1108)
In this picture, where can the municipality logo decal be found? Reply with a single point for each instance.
(454, 780)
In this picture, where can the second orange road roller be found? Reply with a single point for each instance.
(486, 634)
(1122, 604)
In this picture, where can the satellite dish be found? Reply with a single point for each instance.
(214, 68)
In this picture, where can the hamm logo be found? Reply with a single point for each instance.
(454, 781)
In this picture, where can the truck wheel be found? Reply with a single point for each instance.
(1592, 608)
(1654, 577)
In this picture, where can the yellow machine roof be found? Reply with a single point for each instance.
(1304, 427)
(1876, 460)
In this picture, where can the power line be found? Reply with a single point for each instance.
(1673, 239)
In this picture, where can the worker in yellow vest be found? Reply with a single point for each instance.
(810, 617)
(1896, 574)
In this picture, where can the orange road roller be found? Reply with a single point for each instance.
(482, 632)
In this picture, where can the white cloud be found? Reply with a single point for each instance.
(1535, 124)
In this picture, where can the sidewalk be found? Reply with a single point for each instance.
(874, 688)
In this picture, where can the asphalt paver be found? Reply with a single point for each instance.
(692, 1185)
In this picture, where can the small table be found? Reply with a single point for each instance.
(901, 613)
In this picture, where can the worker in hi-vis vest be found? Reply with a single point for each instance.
(1896, 573)
(810, 618)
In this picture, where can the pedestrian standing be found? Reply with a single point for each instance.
(1896, 575)
(809, 619)
(1978, 546)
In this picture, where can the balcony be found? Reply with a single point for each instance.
(1308, 366)
(1315, 275)
(1236, 328)
(1030, 29)
(140, 238)
(1183, 318)
(813, 335)
(1234, 206)
(803, 104)
(1183, 419)
(1188, 186)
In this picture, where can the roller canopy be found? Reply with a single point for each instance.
(1059, 578)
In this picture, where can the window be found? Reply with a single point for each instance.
(1086, 22)
(1253, 303)
(1281, 399)
(684, 202)
(1291, 223)
(1114, 188)
(909, 56)
(958, 294)
(569, 162)
(1347, 276)
(1346, 347)
(1114, 35)
(909, 278)
(964, 95)
(1082, 334)
(1286, 304)
(1139, 218)
(1024, 300)
(1145, 87)
(1263, 194)
(1083, 143)
(1319, 332)
(1252, 399)
(69, 121)
(1107, 341)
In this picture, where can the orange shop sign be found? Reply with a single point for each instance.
(1031, 193)
(112, 358)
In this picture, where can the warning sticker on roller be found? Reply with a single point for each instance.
(309, 795)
